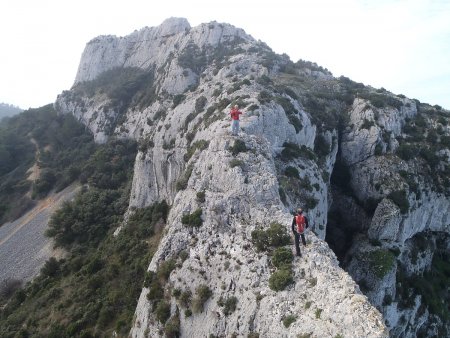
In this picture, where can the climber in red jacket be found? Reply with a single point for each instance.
(234, 113)
(299, 225)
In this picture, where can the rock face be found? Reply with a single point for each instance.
(171, 88)
(410, 210)
(221, 256)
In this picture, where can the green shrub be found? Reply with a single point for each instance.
(429, 156)
(156, 291)
(172, 327)
(229, 305)
(433, 285)
(238, 147)
(223, 104)
(381, 100)
(142, 220)
(201, 196)
(185, 298)
(97, 206)
(400, 199)
(182, 183)
(192, 57)
(288, 107)
(8, 287)
(183, 255)
(280, 279)
(178, 99)
(432, 136)
(194, 219)
(200, 104)
(288, 320)
(176, 293)
(312, 281)
(318, 313)
(290, 151)
(311, 203)
(277, 235)
(292, 172)
(274, 236)
(406, 151)
(165, 268)
(375, 242)
(200, 145)
(162, 311)
(282, 256)
(44, 183)
(367, 124)
(51, 267)
(381, 261)
(264, 96)
(203, 292)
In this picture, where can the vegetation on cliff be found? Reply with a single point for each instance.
(93, 290)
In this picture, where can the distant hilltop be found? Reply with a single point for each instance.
(8, 110)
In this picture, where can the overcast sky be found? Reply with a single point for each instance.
(401, 45)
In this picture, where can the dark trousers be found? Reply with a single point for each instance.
(297, 242)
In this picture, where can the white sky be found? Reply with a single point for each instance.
(401, 45)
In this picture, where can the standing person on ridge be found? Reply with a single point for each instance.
(234, 113)
(299, 225)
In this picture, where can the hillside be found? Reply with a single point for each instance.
(39, 151)
(8, 110)
(371, 169)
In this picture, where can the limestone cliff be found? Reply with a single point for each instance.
(307, 139)
(408, 230)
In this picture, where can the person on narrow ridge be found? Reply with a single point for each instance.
(299, 225)
(234, 113)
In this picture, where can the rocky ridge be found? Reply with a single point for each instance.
(221, 255)
(183, 81)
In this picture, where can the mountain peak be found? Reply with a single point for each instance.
(151, 47)
(174, 26)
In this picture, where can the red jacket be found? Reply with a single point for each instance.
(235, 114)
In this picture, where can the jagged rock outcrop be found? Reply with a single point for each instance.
(389, 225)
(409, 206)
(171, 87)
